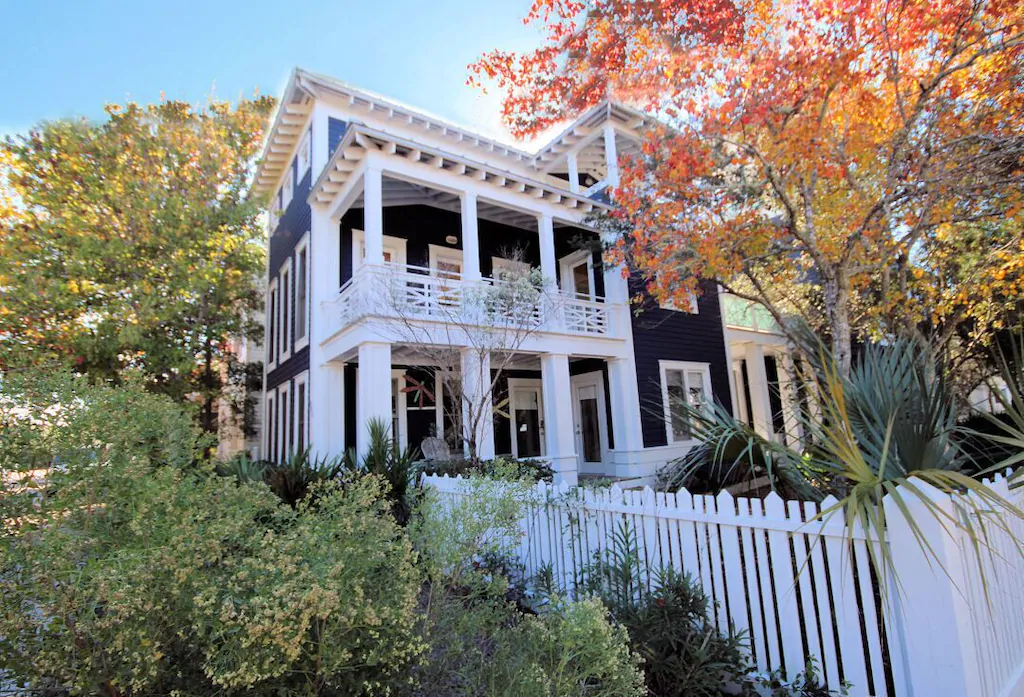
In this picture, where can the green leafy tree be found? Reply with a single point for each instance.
(131, 243)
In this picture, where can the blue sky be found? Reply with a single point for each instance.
(62, 59)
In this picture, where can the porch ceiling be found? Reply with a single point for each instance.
(399, 192)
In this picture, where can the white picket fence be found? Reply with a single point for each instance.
(801, 587)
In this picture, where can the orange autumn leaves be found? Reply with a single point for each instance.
(821, 152)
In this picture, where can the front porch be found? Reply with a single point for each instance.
(551, 407)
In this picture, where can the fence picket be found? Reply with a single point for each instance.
(744, 554)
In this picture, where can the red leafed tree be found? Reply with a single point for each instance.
(858, 162)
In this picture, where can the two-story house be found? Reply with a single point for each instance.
(363, 186)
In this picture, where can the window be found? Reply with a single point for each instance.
(683, 383)
(690, 306)
(578, 275)
(445, 262)
(274, 214)
(394, 249)
(301, 437)
(271, 423)
(504, 269)
(305, 155)
(272, 325)
(283, 420)
(288, 187)
(285, 303)
(302, 293)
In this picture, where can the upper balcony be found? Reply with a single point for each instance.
(410, 298)
(747, 315)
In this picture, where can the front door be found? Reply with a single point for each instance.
(527, 420)
(590, 421)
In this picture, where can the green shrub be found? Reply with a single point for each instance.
(394, 464)
(572, 650)
(129, 576)
(501, 467)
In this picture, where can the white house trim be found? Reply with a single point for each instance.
(284, 421)
(300, 426)
(439, 252)
(284, 311)
(685, 367)
(272, 311)
(568, 263)
(396, 246)
(302, 299)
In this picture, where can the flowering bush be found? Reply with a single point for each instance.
(127, 576)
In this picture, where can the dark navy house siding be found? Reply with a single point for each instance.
(294, 224)
(335, 132)
(665, 335)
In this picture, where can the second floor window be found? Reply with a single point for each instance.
(302, 293)
(285, 302)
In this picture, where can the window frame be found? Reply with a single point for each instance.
(565, 267)
(397, 246)
(685, 367)
(301, 342)
(283, 401)
(288, 186)
(271, 313)
(438, 252)
(286, 319)
(305, 151)
(301, 428)
(271, 425)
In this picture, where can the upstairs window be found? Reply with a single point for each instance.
(683, 384)
(288, 188)
(272, 324)
(285, 303)
(305, 154)
(302, 293)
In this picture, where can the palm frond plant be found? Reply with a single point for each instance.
(1007, 429)
(387, 459)
(887, 430)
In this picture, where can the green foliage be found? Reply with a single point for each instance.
(393, 463)
(528, 468)
(130, 571)
(294, 478)
(880, 432)
(142, 251)
(573, 650)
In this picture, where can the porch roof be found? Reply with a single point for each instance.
(360, 139)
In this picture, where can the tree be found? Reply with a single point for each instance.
(132, 244)
(447, 317)
(856, 162)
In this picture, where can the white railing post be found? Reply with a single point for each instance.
(941, 654)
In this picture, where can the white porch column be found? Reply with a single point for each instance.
(477, 401)
(324, 281)
(373, 215)
(559, 437)
(790, 397)
(625, 396)
(611, 155)
(470, 238)
(757, 377)
(333, 403)
(373, 389)
(546, 231)
(574, 173)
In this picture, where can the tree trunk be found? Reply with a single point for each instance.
(837, 309)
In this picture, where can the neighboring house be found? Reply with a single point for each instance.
(360, 184)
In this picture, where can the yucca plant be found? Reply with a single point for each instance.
(880, 432)
(387, 459)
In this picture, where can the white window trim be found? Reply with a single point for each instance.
(288, 186)
(302, 246)
(684, 366)
(565, 267)
(528, 383)
(302, 379)
(283, 395)
(268, 436)
(270, 335)
(401, 407)
(515, 266)
(438, 251)
(305, 150)
(672, 307)
(396, 245)
(284, 334)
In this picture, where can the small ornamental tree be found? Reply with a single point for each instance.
(855, 162)
(131, 243)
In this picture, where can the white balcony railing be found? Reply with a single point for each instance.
(414, 293)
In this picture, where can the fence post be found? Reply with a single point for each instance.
(939, 648)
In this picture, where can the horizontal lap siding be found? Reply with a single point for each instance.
(676, 336)
(294, 224)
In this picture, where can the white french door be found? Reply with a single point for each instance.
(526, 422)
(590, 421)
